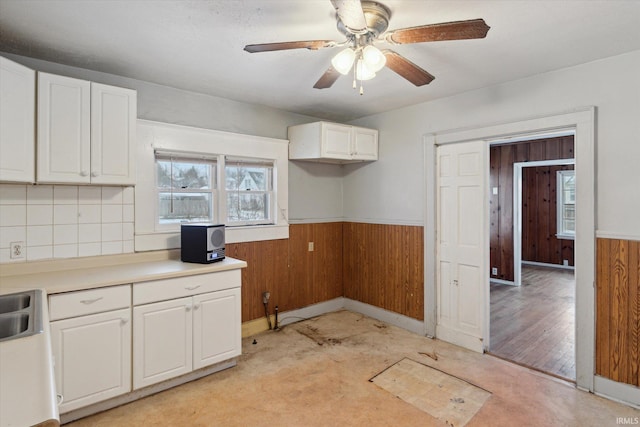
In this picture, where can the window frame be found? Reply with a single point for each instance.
(561, 231)
(270, 191)
(212, 161)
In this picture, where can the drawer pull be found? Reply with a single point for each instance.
(60, 398)
(124, 320)
(90, 301)
(188, 308)
(196, 306)
(192, 288)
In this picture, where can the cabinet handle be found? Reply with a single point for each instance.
(124, 320)
(90, 301)
(191, 288)
(60, 398)
(196, 306)
(84, 173)
(94, 174)
(188, 308)
(455, 282)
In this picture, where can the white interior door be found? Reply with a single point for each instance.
(462, 236)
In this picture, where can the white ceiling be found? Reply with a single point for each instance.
(198, 45)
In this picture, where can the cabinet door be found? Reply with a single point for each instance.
(113, 131)
(217, 334)
(365, 144)
(92, 357)
(17, 122)
(162, 341)
(336, 141)
(63, 129)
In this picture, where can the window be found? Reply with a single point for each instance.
(566, 204)
(186, 190)
(249, 190)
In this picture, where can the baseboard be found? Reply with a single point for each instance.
(256, 326)
(253, 327)
(395, 319)
(545, 264)
(620, 392)
(502, 282)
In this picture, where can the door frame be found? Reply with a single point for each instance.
(582, 121)
(517, 210)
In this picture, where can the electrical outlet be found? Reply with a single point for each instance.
(17, 250)
(310, 246)
(565, 262)
(494, 271)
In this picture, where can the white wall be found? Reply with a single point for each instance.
(392, 189)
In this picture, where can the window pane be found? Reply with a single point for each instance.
(569, 226)
(247, 206)
(183, 175)
(569, 212)
(245, 178)
(184, 207)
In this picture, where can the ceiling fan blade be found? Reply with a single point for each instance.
(328, 79)
(351, 14)
(458, 30)
(308, 44)
(407, 69)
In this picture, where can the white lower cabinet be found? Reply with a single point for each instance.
(174, 337)
(217, 325)
(92, 357)
(162, 341)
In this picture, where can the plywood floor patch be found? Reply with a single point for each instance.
(443, 396)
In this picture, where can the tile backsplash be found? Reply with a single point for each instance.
(65, 221)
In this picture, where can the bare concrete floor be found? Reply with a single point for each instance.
(316, 373)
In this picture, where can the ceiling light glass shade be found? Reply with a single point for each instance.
(343, 61)
(374, 59)
(363, 72)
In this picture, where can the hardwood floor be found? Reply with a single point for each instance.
(534, 324)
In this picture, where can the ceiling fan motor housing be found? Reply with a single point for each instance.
(377, 17)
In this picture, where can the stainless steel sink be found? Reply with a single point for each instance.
(20, 315)
(14, 302)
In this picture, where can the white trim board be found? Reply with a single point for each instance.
(581, 120)
(620, 392)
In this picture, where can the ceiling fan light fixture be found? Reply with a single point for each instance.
(363, 72)
(343, 61)
(374, 58)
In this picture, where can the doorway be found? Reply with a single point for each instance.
(532, 286)
(583, 123)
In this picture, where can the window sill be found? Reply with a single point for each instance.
(171, 239)
(566, 236)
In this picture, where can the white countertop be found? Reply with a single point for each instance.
(101, 276)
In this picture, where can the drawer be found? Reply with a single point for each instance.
(161, 290)
(80, 303)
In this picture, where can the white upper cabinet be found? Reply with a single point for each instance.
(332, 143)
(17, 122)
(86, 132)
(63, 129)
(113, 134)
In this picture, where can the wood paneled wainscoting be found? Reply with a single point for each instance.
(618, 310)
(384, 266)
(377, 264)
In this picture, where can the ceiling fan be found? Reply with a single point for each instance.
(364, 23)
